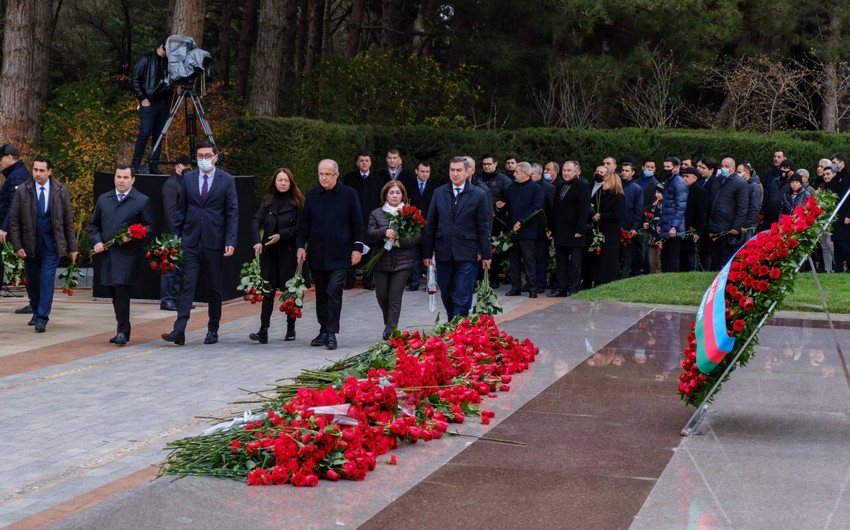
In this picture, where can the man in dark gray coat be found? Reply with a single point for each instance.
(114, 211)
(170, 283)
(729, 200)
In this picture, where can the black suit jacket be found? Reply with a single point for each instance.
(570, 213)
(402, 175)
(368, 190)
(458, 229)
(119, 262)
(332, 224)
(211, 224)
(423, 202)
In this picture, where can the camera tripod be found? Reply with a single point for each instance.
(197, 111)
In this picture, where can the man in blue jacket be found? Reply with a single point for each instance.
(207, 220)
(457, 236)
(673, 208)
(16, 173)
(332, 224)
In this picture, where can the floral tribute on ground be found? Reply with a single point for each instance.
(336, 422)
(743, 293)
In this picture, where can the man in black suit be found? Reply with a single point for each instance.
(41, 230)
(367, 184)
(456, 236)
(169, 284)
(332, 224)
(569, 225)
(115, 210)
(16, 173)
(207, 220)
(394, 169)
(420, 191)
(542, 241)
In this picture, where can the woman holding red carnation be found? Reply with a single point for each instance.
(121, 221)
(393, 268)
(273, 230)
(612, 205)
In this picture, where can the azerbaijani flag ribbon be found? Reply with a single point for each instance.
(713, 343)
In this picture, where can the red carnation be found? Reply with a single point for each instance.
(738, 325)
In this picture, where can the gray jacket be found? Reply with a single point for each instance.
(399, 258)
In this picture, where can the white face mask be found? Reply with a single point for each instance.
(205, 165)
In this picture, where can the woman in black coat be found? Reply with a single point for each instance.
(393, 268)
(276, 217)
(612, 204)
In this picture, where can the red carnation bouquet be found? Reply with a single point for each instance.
(125, 235)
(165, 253)
(292, 298)
(407, 223)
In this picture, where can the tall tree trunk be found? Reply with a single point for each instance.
(391, 14)
(287, 69)
(247, 38)
(23, 80)
(265, 88)
(829, 118)
(428, 15)
(187, 18)
(225, 32)
(127, 24)
(314, 34)
(326, 28)
(355, 22)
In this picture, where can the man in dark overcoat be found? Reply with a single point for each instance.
(332, 224)
(569, 226)
(119, 260)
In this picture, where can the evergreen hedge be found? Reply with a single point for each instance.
(257, 146)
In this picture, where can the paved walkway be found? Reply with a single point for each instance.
(84, 425)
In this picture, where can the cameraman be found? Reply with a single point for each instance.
(151, 90)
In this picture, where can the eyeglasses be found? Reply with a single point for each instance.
(207, 156)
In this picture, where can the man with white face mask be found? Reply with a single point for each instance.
(207, 220)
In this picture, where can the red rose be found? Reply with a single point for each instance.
(738, 325)
(775, 273)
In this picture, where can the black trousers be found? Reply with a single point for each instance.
(195, 261)
(121, 305)
(329, 298)
(389, 290)
(522, 256)
(568, 261)
(671, 254)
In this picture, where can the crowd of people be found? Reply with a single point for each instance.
(624, 220)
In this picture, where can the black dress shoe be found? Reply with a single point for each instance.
(331, 341)
(27, 310)
(167, 307)
(320, 340)
(40, 327)
(533, 293)
(554, 293)
(177, 337)
(32, 322)
(113, 339)
(121, 339)
(387, 334)
(513, 292)
(211, 338)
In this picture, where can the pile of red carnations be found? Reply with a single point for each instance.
(763, 271)
(407, 389)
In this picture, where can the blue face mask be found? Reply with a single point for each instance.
(723, 172)
(647, 173)
(547, 176)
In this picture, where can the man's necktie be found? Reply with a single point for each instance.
(204, 190)
(42, 204)
(421, 188)
(121, 197)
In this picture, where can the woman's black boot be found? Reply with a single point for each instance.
(261, 336)
(290, 329)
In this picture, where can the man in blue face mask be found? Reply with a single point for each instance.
(207, 220)
(648, 182)
(728, 204)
